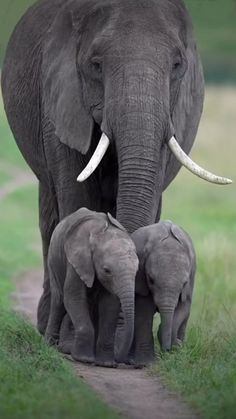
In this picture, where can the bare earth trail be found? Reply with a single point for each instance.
(132, 393)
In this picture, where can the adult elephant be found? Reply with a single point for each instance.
(76, 69)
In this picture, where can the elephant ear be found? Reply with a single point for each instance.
(162, 230)
(115, 223)
(178, 234)
(188, 103)
(79, 255)
(62, 85)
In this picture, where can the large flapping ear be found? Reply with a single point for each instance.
(188, 103)
(115, 223)
(62, 86)
(78, 250)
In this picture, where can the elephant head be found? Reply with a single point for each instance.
(128, 71)
(167, 265)
(98, 246)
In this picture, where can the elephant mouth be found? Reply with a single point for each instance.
(175, 148)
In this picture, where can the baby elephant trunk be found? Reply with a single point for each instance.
(166, 329)
(127, 306)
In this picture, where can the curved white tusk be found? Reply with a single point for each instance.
(193, 167)
(95, 159)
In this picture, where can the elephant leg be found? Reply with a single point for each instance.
(108, 312)
(48, 219)
(76, 304)
(181, 316)
(143, 336)
(57, 312)
(66, 164)
(67, 335)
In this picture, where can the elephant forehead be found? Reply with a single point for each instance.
(119, 248)
(168, 261)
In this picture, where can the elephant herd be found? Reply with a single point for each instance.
(97, 269)
(112, 91)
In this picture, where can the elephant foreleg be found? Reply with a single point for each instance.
(143, 337)
(181, 316)
(76, 304)
(48, 219)
(108, 312)
(57, 312)
(67, 335)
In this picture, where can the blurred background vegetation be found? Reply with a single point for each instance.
(214, 23)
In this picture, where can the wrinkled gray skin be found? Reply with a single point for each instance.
(74, 68)
(87, 250)
(167, 266)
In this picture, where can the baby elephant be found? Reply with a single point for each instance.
(167, 266)
(91, 257)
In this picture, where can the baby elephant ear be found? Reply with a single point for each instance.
(178, 234)
(115, 223)
(78, 253)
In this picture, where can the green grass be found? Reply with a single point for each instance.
(204, 370)
(35, 382)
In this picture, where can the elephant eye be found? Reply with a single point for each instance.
(107, 270)
(179, 66)
(96, 65)
(151, 281)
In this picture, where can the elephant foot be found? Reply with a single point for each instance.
(51, 340)
(143, 360)
(106, 364)
(105, 359)
(83, 353)
(177, 344)
(65, 347)
(85, 359)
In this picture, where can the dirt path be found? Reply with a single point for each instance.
(132, 393)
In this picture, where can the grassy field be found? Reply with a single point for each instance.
(214, 24)
(204, 370)
(35, 380)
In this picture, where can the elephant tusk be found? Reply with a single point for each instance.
(95, 159)
(185, 160)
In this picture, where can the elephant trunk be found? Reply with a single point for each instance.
(127, 306)
(140, 128)
(166, 328)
